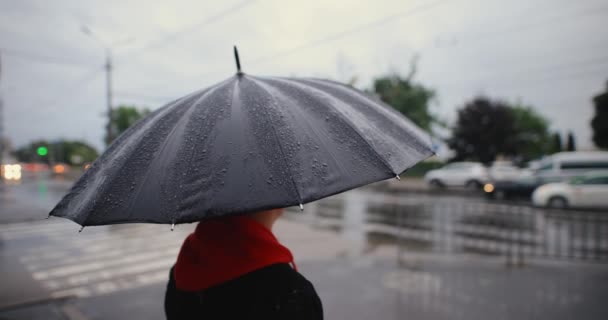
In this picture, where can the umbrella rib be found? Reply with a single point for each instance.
(274, 132)
(414, 130)
(118, 146)
(163, 145)
(345, 118)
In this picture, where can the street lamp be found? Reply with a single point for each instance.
(108, 68)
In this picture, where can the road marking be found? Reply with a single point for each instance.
(122, 251)
(103, 260)
(100, 264)
(162, 265)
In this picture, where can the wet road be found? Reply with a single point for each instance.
(370, 255)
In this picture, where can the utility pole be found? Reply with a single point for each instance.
(2, 140)
(108, 69)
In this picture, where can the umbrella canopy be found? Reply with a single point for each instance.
(245, 144)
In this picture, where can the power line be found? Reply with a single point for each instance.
(42, 58)
(593, 62)
(339, 35)
(346, 33)
(135, 95)
(207, 21)
(531, 25)
(77, 90)
(543, 79)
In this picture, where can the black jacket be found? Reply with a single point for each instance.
(274, 292)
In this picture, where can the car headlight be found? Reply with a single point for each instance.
(488, 188)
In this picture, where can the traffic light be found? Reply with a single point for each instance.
(42, 151)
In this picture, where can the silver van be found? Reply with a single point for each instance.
(565, 165)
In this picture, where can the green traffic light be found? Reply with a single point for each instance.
(42, 151)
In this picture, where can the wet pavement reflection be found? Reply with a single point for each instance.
(369, 254)
(448, 224)
(455, 258)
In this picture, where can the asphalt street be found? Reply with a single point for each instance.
(49, 270)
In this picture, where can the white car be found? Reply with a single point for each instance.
(504, 172)
(472, 175)
(590, 190)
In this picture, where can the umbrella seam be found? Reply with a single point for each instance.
(164, 143)
(261, 86)
(384, 162)
(142, 123)
(416, 131)
(305, 118)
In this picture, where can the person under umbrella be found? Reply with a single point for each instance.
(234, 268)
(230, 157)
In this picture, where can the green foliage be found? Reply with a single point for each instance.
(571, 146)
(532, 132)
(599, 123)
(66, 151)
(487, 128)
(29, 153)
(407, 97)
(556, 143)
(122, 118)
(484, 130)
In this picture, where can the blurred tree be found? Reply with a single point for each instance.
(29, 153)
(531, 132)
(599, 123)
(66, 151)
(484, 129)
(571, 145)
(73, 152)
(406, 96)
(123, 117)
(556, 145)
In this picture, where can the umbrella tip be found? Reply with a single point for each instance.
(238, 61)
(301, 207)
(172, 226)
(398, 177)
(82, 228)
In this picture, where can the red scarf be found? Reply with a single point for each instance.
(223, 249)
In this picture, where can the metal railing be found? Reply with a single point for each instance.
(453, 225)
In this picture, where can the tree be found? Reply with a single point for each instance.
(30, 152)
(571, 146)
(532, 135)
(409, 98)
(66, 151)
(123, 117)
(484, 129)
(599, 123)
(557, 145)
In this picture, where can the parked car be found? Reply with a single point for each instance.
(519, 188)
(590, 190)
(566, 165)
(503, 171)
(509, 189)
(472, 175)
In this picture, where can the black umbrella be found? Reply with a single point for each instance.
(243, 145)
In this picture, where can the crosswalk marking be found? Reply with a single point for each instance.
(85, 258)
(95, 265)
(103, 245)
(98, 261)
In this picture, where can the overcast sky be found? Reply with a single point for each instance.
(552, 55)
